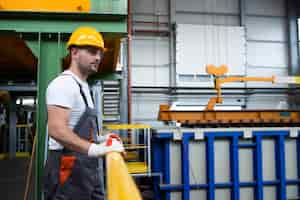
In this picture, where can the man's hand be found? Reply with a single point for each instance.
(110, 145)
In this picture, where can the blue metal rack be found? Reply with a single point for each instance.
(161, 161)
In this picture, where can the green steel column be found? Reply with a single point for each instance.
(49, 67)
(107, 17)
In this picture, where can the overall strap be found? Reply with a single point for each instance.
(82, 93)
(80, 89)
(84, 97)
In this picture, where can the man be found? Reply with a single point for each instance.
(72, 169)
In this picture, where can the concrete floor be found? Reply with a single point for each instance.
(13, 174)
(13, 178)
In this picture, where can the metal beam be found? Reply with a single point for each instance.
(266, 41)
(124, 81)
(97, 89)
(293, 56)
(61, 22)
(172, 43)
(266, 16)
(55, 26)
(62, 16)
(19, 88)
(242, 13)
(292, 38)
(12, 127)
(190, 12)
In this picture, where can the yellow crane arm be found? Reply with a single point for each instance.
(217, 72)
(243, 79)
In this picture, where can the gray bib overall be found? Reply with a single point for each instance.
(70, 175)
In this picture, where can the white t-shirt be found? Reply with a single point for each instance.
(64, 91)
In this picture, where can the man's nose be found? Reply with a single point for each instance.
(98, 57)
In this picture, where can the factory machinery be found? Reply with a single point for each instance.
(229, 155)
(215, 118)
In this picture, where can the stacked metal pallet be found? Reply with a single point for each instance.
(226, 163)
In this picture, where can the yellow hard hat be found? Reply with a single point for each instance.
(83, 36)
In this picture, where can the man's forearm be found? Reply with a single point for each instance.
(70, 140)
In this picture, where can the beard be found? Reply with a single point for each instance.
(88, 69)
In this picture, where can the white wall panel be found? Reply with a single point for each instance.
(198, 171)
(292, 191)
(162, 76)
(150, 76)
(150, 60)
(146, 106)
(223, 194)
(175, 167)
(198, 194)
(222, 161)
(176, 195)
(222, 6)
(269, 192)
(261, 28)
(150, 51)
(245, 160)
(268, 159)
(266, 7)
(197, 46)
(205, 19)
(175, 161)
(291, 159)
(247, 193)
(267, 54)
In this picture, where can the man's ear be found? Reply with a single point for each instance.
(73, 52)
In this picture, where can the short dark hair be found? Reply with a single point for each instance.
(66, 62)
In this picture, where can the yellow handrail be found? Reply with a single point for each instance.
(120, 185)
(126, 126)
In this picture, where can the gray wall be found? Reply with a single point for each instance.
(153, 48)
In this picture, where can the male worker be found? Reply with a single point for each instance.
(72, 169)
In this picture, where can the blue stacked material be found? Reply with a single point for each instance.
(231, 163)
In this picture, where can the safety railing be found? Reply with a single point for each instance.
(137, 143)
